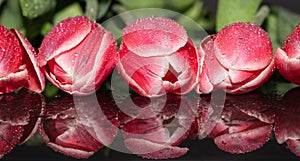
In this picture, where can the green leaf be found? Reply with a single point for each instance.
(46, 28)
(34, 8)
(286, 23)
(35, 140)
(70, 11)
(194, 12)
(271, 27)
(50, 90)
(181, 4)
(103, 8)
(230, 11)
(91, 9)
(136, 4)
(11, 15)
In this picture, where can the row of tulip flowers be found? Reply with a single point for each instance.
(155, 57)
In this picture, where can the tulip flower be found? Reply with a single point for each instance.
(156, 57)
(77, 55)
(238, 59)
(18, 63)
(287, 58)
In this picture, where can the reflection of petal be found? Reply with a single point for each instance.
(157, 137)
(18, 118)
(76, 126)
(245, 141)
(287, 118)
(243, 126)
(148, 149)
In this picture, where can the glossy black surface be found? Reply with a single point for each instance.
(115, 116)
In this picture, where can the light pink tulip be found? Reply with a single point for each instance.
(18, 65)
(238, 59)
(287, 58)
(77, 55)
(156, 57)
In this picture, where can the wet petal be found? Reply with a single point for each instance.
(154, 36)
(243, 46)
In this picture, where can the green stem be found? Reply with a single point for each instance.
(261, 15)
(91, 9)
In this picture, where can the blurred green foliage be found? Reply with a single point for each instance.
(35, 18)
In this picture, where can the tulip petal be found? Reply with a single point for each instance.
(11, 54)
(105, 55)
(215, 71)
(289, 68)
(13, 81)
(36, 81)
(238, 76)
(204, 85)
(154, 36)
(292, 43)
(63, 37)
(253, 82)
(243, 46)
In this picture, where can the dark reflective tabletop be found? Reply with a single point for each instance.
(111, 125)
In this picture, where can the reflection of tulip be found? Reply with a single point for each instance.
(156, 57)
(76, 126)
(18, 63)
(77, 55)
(287, 58)
(19, 119)
(287, 121)
(159, 127)
(243, 127)
(238, 59)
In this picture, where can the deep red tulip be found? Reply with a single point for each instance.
(287, 58)
(18, 65)
(238, 59)
(156, 57)
(77, 55)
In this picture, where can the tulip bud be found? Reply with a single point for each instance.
(18, 63)
(287, 58)
(238, 59)
(156, 57)
(77, 55)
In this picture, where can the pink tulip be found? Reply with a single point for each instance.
(18, 63)
(77, 55)
(156, 57)
(287, 58)
(238, 59)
